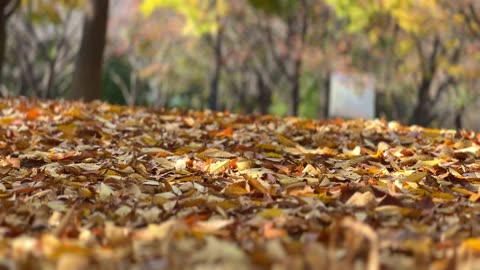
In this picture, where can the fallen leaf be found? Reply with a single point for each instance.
(270, 213)
(358, 199)
(105, 192)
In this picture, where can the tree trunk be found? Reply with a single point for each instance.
(326, 95)
(6, 10)
(214, 83)
(422, 114)
(264, 95)
(298, 59)
(3, 40)
(295, 91)
(87, 77)
(458, 117)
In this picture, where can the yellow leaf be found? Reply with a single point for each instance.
(84, 192)
(474, 197)
(285, 141)
(188, 178)
(443, 196)
(149, 140)
(216, 153)
(75, 112)
(105, 192)
(354, 152)
(287, 180)
(462, 191)
(235, 190)
(432, 133)
(57, 206)
(110, 172)
(472, 244)
(415, 177)
(244, 164)
(256, 184)
(6, 120)
(73, 184)
(455, 173)
(218, 167)
(269, 147)
(226, 205)
(273, 155)
(270, 213)
(324, 197)
(427, 163)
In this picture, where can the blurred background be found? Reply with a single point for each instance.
(415, 61)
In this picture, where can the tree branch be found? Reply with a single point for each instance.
(468, 20)
(279, 60)
(433, 59)
(61, 41)
(13, 7)
(421, 54)
(455, 57)
(474, 14)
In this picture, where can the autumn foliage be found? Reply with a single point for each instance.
(93, 185)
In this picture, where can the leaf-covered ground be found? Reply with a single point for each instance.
(96, 186)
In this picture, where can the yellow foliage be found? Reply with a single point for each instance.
(456, 70)
(49, 10)
(418, 16)
(200, 15)
(404, 46)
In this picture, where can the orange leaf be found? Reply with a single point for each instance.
(33, 114)
(256, 184)
(228, 132)
(235, 190)
(269, 231)
(472, 244)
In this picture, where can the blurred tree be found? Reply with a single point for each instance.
(470, 10)
(7, 7)
(41, 48)
(203, 18)
(255, 56)
(288, 53)
(87, 77)
(250, 71)
(428, 48)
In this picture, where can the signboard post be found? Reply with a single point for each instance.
(352, 95)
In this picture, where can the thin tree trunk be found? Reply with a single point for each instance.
(3, 41)
(295, 90)
(264, 95)
(458, 117)
(214, 83)
(87, 77)
(422, 113)
(298, 59)
(326, 95)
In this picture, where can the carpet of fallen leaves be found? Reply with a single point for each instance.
(98, 186)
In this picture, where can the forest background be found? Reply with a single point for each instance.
(248, 56)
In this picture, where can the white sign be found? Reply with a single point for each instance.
(352, 95)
